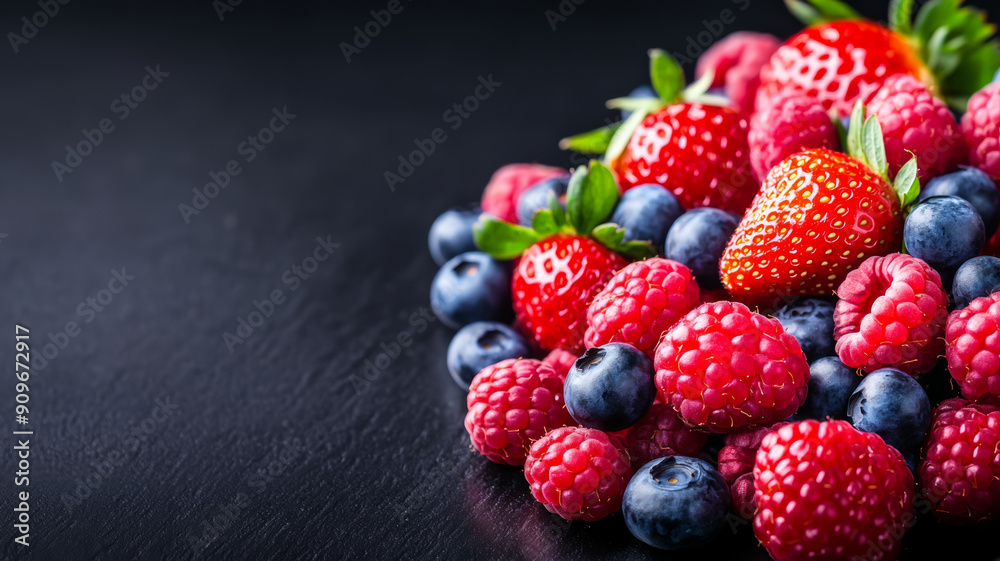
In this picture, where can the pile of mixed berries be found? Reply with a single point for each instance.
(795, 257)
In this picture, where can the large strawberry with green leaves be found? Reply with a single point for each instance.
(566, 257)
(692, 143)
(819, 214)
(842, 58)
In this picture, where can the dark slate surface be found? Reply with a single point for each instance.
(148, 428)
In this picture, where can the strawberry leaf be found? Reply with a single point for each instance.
(812, 12)
(502, 239)
(666, 75)
(857, 123)
(699, 87)
(544, 223)
(591, 196)
(612, 236)
(557, 211)
(906, 184)
(874, 147)
(901, 16)
(624, 133)
(593, 142)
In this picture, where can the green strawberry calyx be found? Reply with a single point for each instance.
(590, 201)
(866, 144)
(956, 43)
(667, 78)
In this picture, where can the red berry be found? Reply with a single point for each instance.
(837, 63)
(512, 404)
(736, 61)
(578, 473)
(818, 215)
(560, 361)
(641, 302)
(828, 491)
(981, 126)
(891, 313)
(736, 461)
(960, 471)
(553, 284)
(660, 433)
(972, 345)
(722, 367)
(507, 184)
(698, 152)
(795, 122)
(913, 120)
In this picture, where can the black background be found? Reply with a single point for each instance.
(273, 443)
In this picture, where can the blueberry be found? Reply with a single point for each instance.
(646, 212)
(830, 387)
(810, 321)
(977, 277)
(451, 233)
(974, 186)
(644, 90)
(471, 287)
(893, 405)
(945, 232)
(479, 345)
(538, 197)
(697, 240)
(676, 502)
(610, 387)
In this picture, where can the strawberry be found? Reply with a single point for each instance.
(841, 58)
(819, 215)
(692, 143)
(566, 257)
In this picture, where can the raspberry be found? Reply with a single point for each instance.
(828, 491)
(912, 119)
(981, 126)
(560, 361)
(960, 471)
(641, 302)
(511, 404)
(736, 460)
(578, 473)
(553, 284)
(722, 367)
(736, 61)
(794, 123)
(507, 184)
(891, 314)
(660, 433)
(972, 346)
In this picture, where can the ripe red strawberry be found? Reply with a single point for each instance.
(960, 470)
(564, 260)
(913, 120)
(981, 126)
(841, 59)
(825, 490)
(641, 302)
(507, 184)
(723, 367)
(553, 284)
(693, 144)
(735, 62)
